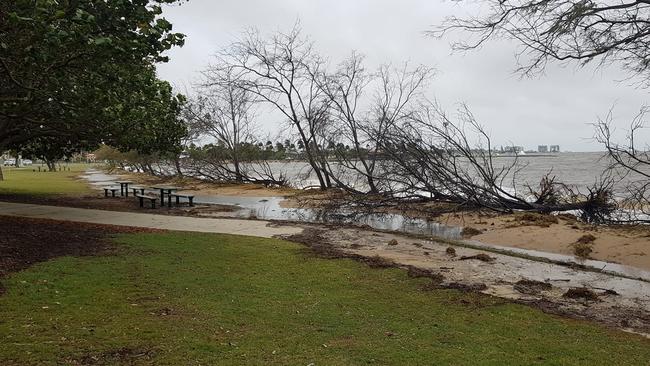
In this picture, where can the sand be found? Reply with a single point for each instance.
(629, 246)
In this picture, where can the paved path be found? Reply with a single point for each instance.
(181, 223)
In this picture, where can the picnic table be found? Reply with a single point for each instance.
(166, 190)
(124, 187)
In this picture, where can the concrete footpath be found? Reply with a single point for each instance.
(166, 222)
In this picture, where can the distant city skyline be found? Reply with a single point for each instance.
(554, 108)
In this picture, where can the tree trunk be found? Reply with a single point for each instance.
(51, 165)
(238, 176)
(2, 177)
(177, 163)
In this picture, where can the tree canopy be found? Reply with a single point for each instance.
(80, 72)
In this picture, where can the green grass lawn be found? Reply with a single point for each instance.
(180, 299)
(26, 181)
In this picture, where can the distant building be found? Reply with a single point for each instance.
(512, 149)
(555, 148)
(542, 148)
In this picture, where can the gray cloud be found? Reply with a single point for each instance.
(554, 108)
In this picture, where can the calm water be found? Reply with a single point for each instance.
(578, 170)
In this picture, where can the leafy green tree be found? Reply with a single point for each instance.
(82, 72)
(49, 149)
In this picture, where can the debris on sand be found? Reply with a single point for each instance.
(451, 251)
(581, 293)
(611, 293)
(393, 242)
(583, 247)
(416, 272)
(435, 283)
(470, 231)
(536, 219)
(378, 262)
(586, 239)
(531, 287)
(481, 257)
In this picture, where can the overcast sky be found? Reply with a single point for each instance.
(554, 108)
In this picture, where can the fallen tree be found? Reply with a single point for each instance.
(432, 159)
(630, 162)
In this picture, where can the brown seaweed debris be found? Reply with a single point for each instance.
(481, 257)
(416, 272)
(531, 287)
(583, 247)
(377, 262)
(470, 231)
(451, 251)
(581, 293)
(536, 219)
(317, 245)
(586, 239)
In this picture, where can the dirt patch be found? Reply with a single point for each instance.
(120, 356)
(166, 311)
(24, 242)
(531, 287)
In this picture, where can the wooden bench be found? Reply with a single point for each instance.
(178, 196)
(113, 190)
(136, 189)
(143, 197)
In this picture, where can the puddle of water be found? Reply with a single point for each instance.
(268, 208)
(99, 178)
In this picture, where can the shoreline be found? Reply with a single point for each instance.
(615, 245)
